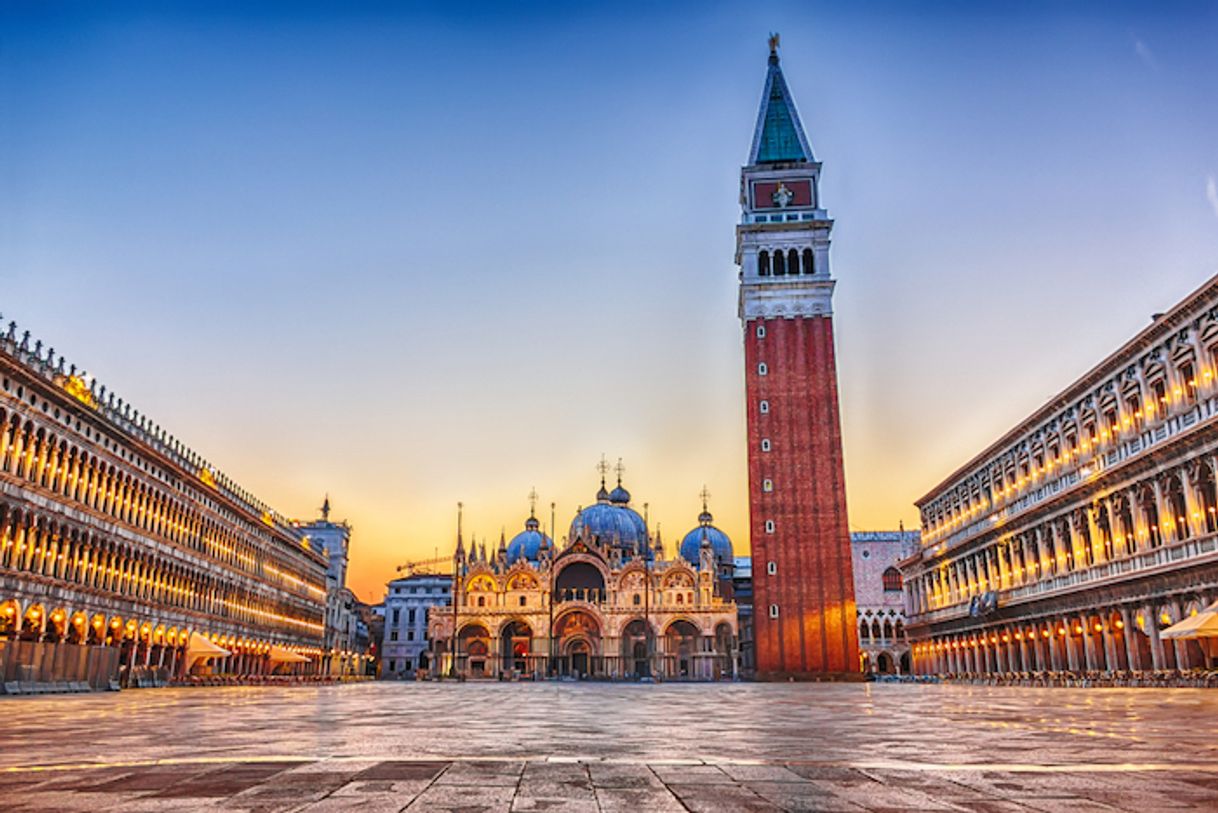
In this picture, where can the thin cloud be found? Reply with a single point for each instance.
(1145, 54)
(1211, 193)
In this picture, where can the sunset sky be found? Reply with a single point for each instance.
(416, 254)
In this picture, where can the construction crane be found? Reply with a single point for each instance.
(422, 566)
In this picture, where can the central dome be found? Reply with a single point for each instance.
(612, 524)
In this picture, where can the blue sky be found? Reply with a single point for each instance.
(411, 254)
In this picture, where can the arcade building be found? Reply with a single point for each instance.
(127, 557)
(1069, 543)
(607, 604)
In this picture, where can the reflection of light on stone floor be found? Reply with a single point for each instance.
(950, 726)
(878, 765)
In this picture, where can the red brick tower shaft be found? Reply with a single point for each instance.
(804, 612)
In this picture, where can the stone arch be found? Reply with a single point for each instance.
(636, 642)
(10, 617)
(516, 644)
(579, 580)
(681, 644)
(78, 628)
(32, 622)
(56, 625)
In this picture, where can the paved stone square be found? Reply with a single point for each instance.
(612, 747)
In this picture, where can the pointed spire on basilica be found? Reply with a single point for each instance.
(325, 509)
(779, 136)
(603, 468)
(705, 518)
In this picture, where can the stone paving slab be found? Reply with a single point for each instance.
(338, 785)
(473, 748)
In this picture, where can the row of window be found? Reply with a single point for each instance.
(875, 632)
(151, 434)
(1171, 508)
(31, 543)
(1125, 409)
(44, 459)
(785, 263)
(784, 218)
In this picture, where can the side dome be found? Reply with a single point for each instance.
(691, 545)
(528, 543)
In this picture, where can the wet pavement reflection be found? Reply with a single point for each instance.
(492, 746)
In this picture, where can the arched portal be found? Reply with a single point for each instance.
(579, 640)
(516, 645)
(636, 649)
(474, 645)
(680, 645)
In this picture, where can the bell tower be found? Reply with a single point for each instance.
(803, 588)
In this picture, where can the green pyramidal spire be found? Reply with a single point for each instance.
(779, 137)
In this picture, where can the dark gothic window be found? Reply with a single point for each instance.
(763, 264)
(809, 267)
(780, 264)
(892, 579)
(793, 261)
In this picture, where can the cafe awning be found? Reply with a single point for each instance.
(1202, 625)
(280, 655)
(201, 647)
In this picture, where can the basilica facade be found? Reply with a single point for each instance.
(606, 603)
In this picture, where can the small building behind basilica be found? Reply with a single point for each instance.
(608, 603)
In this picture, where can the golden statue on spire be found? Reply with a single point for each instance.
(773, 42)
